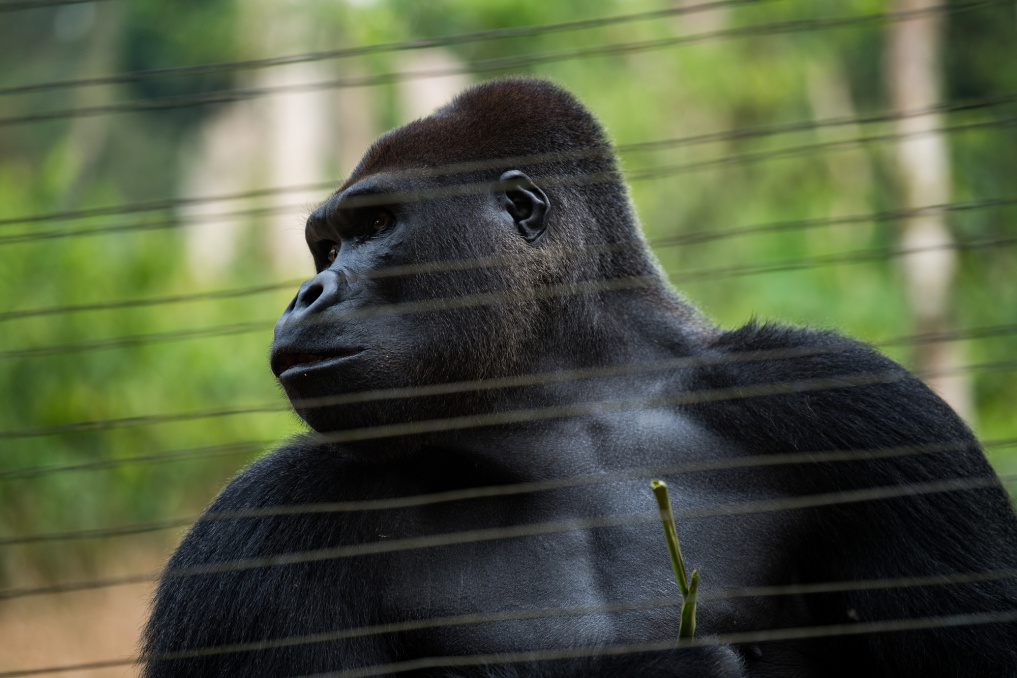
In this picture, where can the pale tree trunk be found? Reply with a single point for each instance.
(923, 165)
(87, 137)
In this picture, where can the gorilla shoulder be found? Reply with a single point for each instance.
(803, 389)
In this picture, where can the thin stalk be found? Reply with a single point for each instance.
(688, 586)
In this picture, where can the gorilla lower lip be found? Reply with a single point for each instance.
(290, 361)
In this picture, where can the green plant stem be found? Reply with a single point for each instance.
(687, 626)
(688, 587)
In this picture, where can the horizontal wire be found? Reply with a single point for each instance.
(689, 238)
(489, 491)
(543, 613)
(145, 578)
(738, 133)
(14, 6)
(120, 304)
(166, 203)
(533, 379)
(178, 221)
(819, 261)
(548, 292)
(521, 531)
(123, 342)
(805, 149)
(202, 452)
(498, 64)
(399, 46)
(100, 533)
(781, 128)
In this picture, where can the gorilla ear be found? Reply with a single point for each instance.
(524, 202)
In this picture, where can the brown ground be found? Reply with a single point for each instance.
(77, 628)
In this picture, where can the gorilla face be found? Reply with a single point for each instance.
(395, 300)
(433, 261)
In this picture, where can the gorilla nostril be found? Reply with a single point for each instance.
(317, 294)
(309, 295)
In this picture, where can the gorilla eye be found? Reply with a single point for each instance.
(381, 220)
(333, 252)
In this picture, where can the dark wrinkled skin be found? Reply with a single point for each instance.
(338, 338)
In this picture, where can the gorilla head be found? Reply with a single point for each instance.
(475, 243)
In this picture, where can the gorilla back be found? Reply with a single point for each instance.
(493, 367)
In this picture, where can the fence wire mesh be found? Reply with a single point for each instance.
(69, 338)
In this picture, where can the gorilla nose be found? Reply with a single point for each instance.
(318, 294)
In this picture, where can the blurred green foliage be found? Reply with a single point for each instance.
(665, 93)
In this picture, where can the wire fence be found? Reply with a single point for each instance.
(494, 65)
(11, 6)
(431, 188)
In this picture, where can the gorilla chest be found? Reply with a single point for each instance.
(480, 581)
(533, 570)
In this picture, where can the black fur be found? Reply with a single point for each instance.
(758, 390)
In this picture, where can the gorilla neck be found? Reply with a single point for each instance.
(621, 328)
(608, 349)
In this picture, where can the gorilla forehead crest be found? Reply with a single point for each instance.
(509, 118)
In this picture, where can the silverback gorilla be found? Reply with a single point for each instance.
(493, 367)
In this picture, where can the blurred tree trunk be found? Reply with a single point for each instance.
(88, 135)
(923, 166)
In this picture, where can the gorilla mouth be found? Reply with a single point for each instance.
(285, 360)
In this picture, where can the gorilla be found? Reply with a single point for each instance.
(493, 367)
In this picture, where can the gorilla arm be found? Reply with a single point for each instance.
(845, 396)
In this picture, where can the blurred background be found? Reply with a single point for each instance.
(845, 164)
